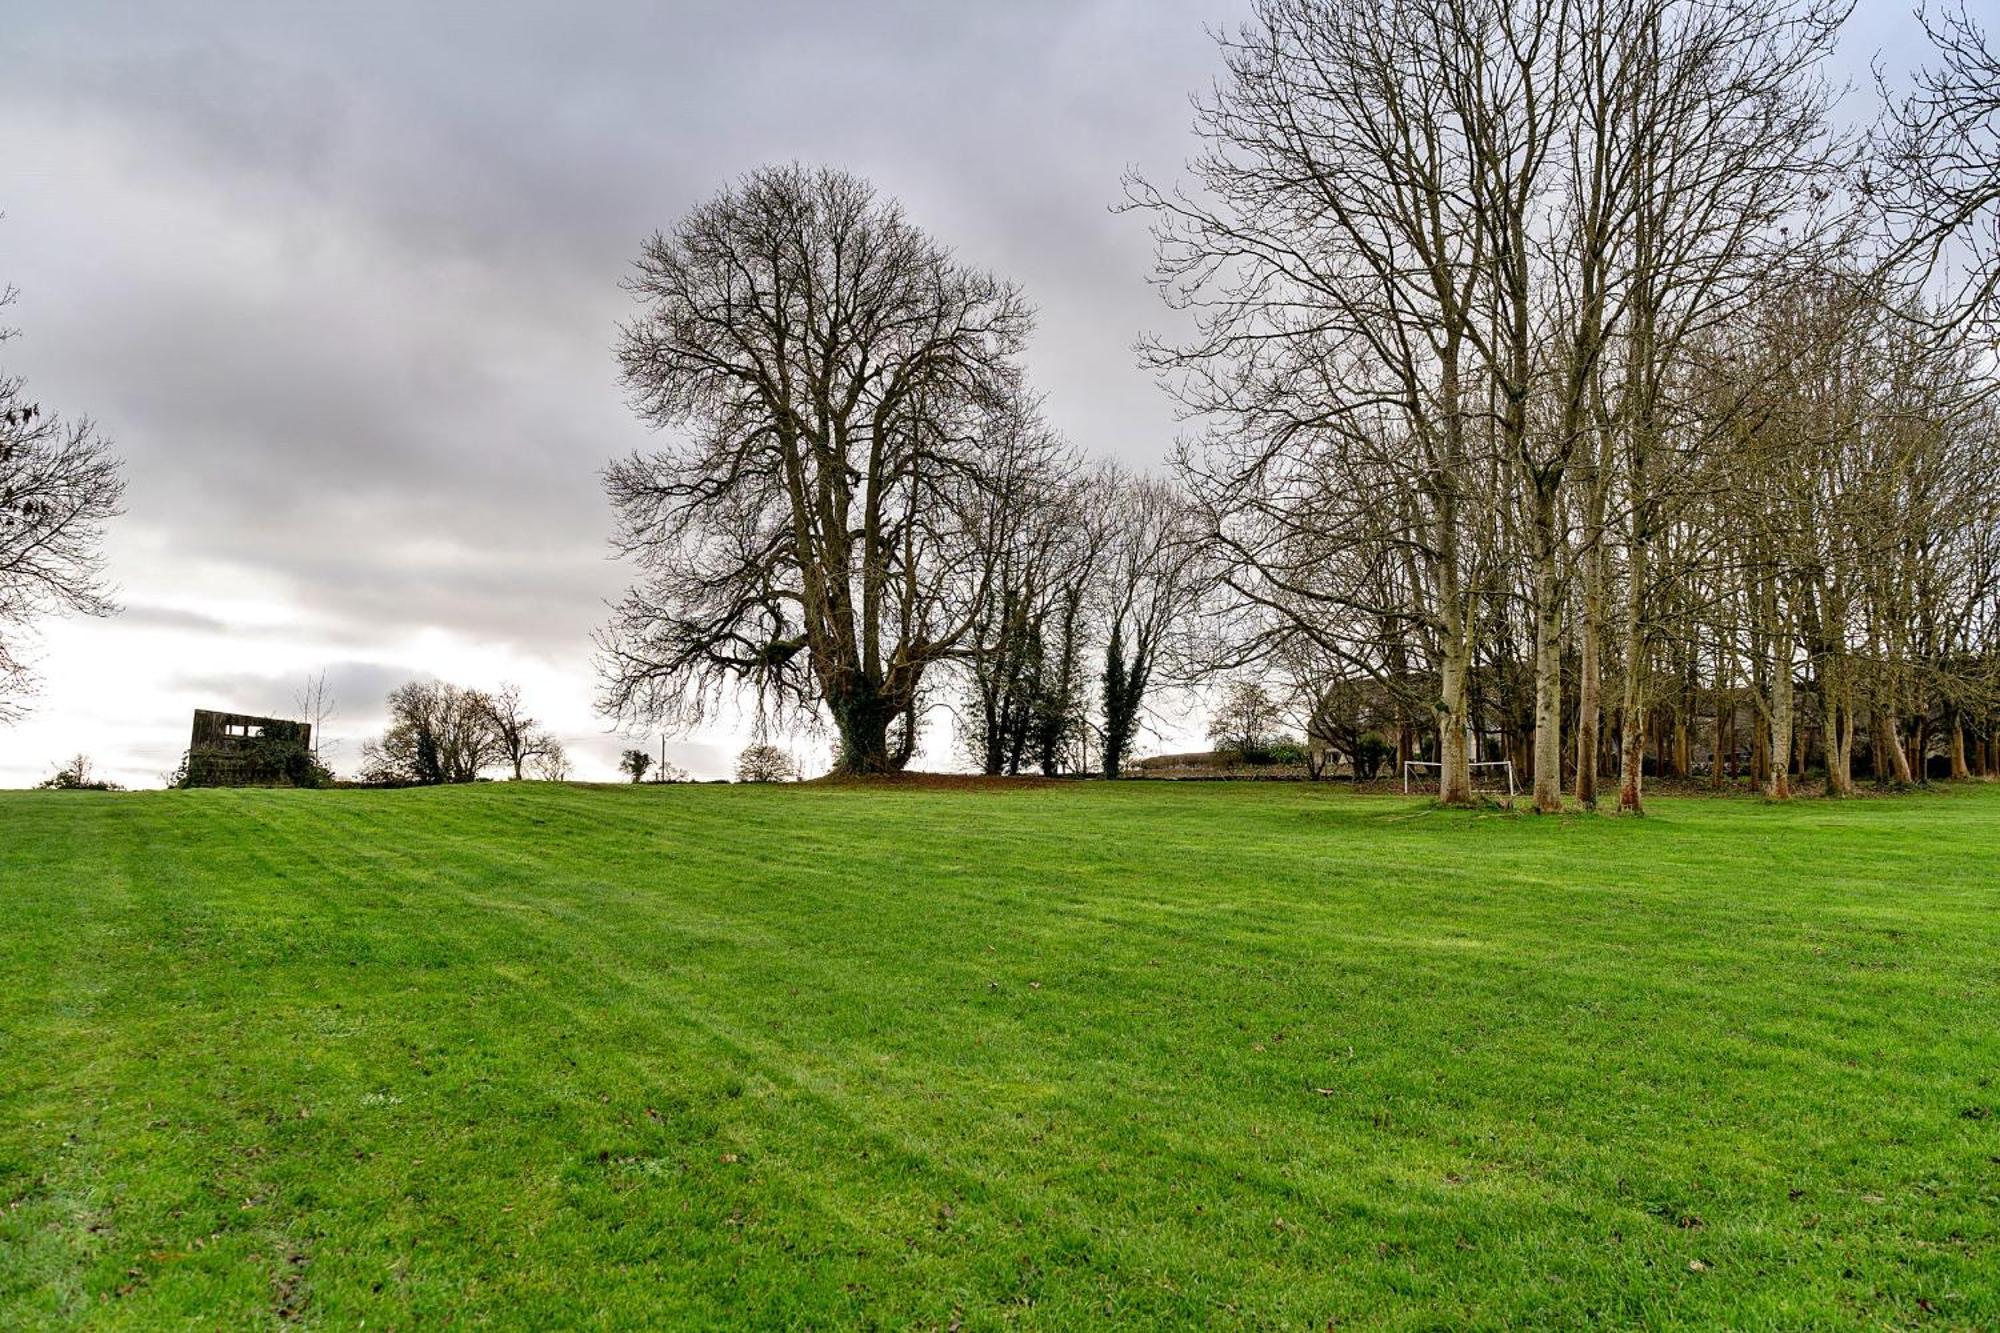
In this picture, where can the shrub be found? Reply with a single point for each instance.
(1286, 751)
(76, 776)
(1370, 753)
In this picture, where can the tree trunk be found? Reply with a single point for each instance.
(1590, 682)
(1632, 760)
(862, 718)
(1732, 740)
(1548, 662)
(1839, 742)
(1892, 742)
(1455, 771)
(1715, 749)
(1779, 787)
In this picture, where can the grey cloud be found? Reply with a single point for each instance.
(356, 689)
(168, 617)
(349, 310)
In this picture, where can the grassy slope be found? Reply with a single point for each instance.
(1215, 1054)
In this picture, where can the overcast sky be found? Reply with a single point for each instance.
(340, 281)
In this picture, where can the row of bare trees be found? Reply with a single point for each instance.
(1553, 365)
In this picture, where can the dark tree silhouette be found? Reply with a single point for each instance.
(847, 394)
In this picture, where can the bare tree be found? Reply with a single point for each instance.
(1936, 178)
(1448, 266)
(552, 763)
(59, 487)
(1338, 266)
(315, 704)
(1245, 720)
(849, 390)
(522, 739)
(1153, 582)
(764, 763)
(1712, 215)
(76, 775)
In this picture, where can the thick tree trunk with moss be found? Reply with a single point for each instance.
(863, 716)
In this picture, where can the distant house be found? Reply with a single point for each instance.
(242, 750)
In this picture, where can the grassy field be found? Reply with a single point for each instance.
(1151, 1054)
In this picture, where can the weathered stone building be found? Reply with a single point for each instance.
(241, 750)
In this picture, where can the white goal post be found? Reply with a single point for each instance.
(1507, 764)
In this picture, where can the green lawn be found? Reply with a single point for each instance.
(1150, 1054)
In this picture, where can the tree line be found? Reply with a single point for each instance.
(1567, 383)
(442, 733)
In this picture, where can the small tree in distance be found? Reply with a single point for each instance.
(76, 775)
(315, 704)
(634, 763)
(1246, 721)
(552, 763)
(521, 738)
(764, 763)
(438, 733)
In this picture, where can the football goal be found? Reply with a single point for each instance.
(1434, 782)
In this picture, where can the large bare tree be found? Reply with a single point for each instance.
(845, 391)
(1337, 263)
(59, 485)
